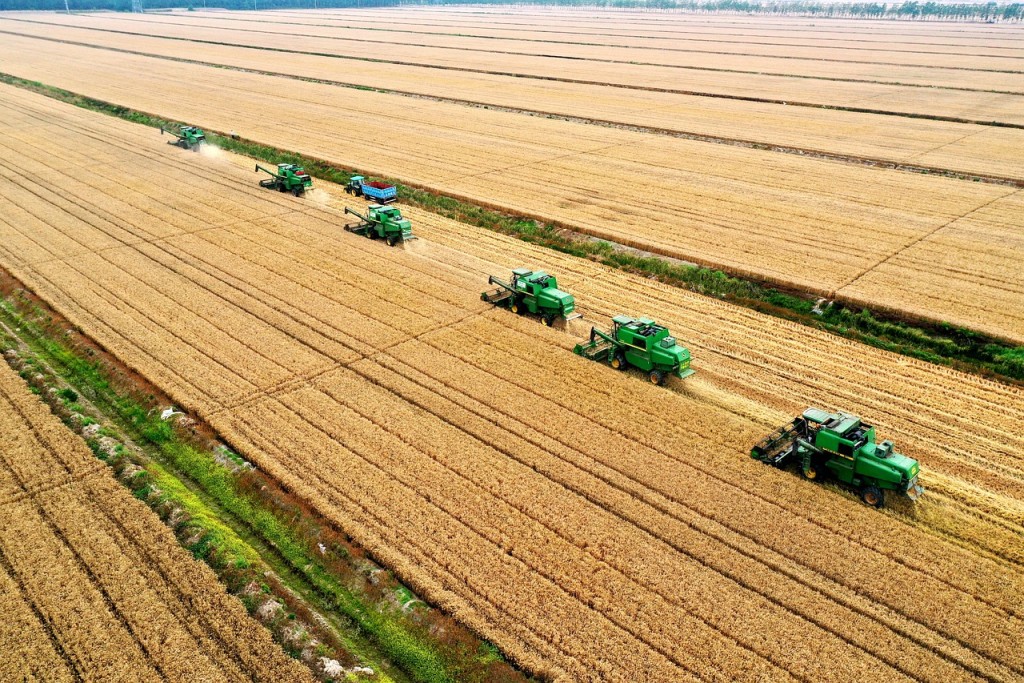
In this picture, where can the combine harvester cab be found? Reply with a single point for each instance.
(840, 445)
(383, 222)
(640, 343)
(381, 193)
(532, 292)
(287, 178)
(188, 137)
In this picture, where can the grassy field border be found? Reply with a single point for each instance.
(939, 343)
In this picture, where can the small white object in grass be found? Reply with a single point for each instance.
(170, 412)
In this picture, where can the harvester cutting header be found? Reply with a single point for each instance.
(841, 446)
(287, 178)
(188, 137)
(384, 222)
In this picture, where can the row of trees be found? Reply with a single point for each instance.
(990, 11)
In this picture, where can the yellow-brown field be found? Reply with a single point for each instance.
(944, 98)
(593, 526)
(93, 586)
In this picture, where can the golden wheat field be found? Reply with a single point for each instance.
(94, 586)
(593, 526)
(772, 148)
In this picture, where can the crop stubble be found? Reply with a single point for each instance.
(605, 538)
(819, 225)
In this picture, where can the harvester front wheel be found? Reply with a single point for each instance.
(619, 360)
(811, 472)
(392, 240)
(656, 377)
(548, 320)
(873, 496)
(516, 307)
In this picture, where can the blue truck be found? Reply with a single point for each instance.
(381, 193)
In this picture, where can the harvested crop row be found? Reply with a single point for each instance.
(99, 586)
(566, 473)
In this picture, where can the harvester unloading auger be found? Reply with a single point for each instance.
(640, 343)
(188, 137)
(532, 292)
(841, 446)
(384, 222)
(287, 178)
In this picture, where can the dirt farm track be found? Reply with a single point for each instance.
(760, 146)
(593, 526)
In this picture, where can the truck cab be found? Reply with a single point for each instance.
(650, 347)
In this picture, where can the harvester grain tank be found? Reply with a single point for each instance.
(533, 292)
(287, 178)
(640, 343)
(383, 222)
(379, 192)
(841, 446)
(188, 137)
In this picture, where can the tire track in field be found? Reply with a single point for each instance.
(645, 523)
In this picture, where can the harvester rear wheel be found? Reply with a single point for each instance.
(873, 496)
(656, 377)
(618, 360)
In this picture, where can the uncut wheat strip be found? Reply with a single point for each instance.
(622, 497)
(521, 593)
(30, 653)
(667, 437)
(135, 341)
(642, 68)
(76, 610)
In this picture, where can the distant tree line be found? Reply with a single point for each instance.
(942, 11)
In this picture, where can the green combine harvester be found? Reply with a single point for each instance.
(188, 137)
(638, 343)
(287, 178)
(531, 292)
(840, 445)
(383, 222)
